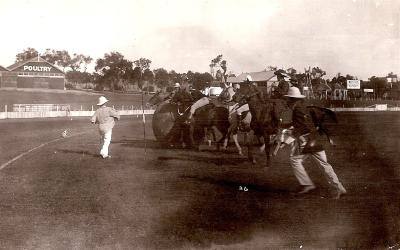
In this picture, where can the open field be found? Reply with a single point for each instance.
(73, 97)
(63, 196)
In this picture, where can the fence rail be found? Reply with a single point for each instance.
(76, 113)
(66, 113)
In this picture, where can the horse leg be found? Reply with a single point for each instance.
(191, 132)
(249, 141)
(208, 137)
(226, 138)
(267, 140)
(235, 139)
(262, 147)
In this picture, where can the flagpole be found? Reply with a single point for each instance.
(143, 119)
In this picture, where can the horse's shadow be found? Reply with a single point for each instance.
(219, 161)
(140, 143)
(81, 152)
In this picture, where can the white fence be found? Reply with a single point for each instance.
(88, 113)
(49, 114)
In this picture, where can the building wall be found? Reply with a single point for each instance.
(9, 80)
(40, 82)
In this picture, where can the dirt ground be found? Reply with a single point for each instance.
(63, 196)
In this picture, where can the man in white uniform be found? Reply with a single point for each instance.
(105, 117)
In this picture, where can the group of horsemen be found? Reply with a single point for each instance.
(238, 109)
(300, 131)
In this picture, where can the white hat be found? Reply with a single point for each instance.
(294, 92)
(177, 85)
(248, 78)
(102, 100)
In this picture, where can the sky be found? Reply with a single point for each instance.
(356, 37)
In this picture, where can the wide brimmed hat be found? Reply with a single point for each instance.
(177, 85)
(281, 73)
(294, 92)
(102, 100)
(248, 78)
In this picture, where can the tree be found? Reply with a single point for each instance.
(26, 55)
(63, 59)
(316, 72)
(79, 77)
(113, 70)
(161, 77)
(379, 85)
(218, 62)
(142, 64)
(201, 81)
(174, 77)
(78, 60)
(148, 75)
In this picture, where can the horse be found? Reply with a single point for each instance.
(266, 119)
(157, 98)
(237, 124)
(207, 119)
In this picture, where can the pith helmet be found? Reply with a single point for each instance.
(294, 92)
(102, 100)
(248, 78)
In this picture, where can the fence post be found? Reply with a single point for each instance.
(5, 109)
(122, 107)
(92, 107)
(81, 107)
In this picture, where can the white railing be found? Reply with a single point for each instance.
(4, 114)
(65, 113)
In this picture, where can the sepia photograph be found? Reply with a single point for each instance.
(199, 124)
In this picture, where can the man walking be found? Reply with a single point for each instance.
(303, 147)
(105, 117)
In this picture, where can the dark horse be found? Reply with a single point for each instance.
(265, 121)
(207, 118)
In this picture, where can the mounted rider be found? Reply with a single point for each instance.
(199, 100)
(243, 107)
(283, 86)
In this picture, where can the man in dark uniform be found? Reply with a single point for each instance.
(303, 132)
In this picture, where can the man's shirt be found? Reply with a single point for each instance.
(300, 120)
(104, 116)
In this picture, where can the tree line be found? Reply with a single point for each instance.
(114, 71)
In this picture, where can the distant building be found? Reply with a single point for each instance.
(32, 73)
(392, 79)
(267, 80)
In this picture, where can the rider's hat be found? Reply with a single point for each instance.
(294, 92)
(248, 78)
(281, 73)
(102, 100)
(177, 85)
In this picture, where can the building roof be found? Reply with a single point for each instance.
(261, 76)
(322, 87)
(3, 69)
(338, 86)
(34, 59)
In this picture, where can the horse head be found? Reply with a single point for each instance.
(156, 99)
